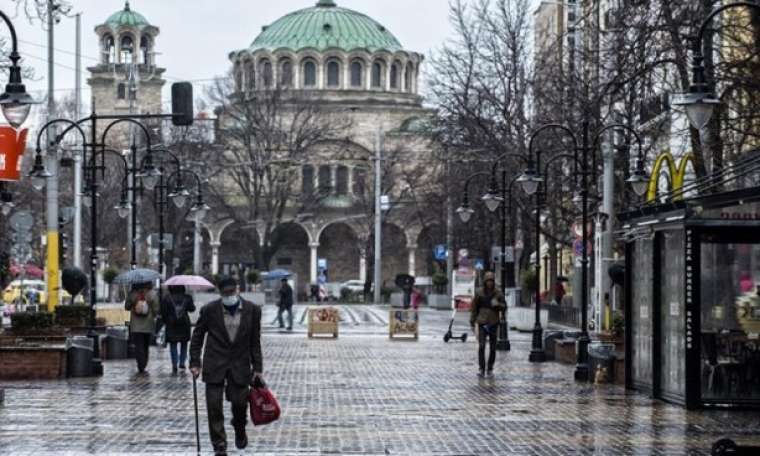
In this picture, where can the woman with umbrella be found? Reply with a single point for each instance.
(143, 305)
(176, 307)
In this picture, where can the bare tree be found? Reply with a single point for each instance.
(266, 134)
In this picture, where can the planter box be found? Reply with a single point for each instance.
(403, 323)
(564, 351)
(33, 362)
(323, 320)
(523, 318)
(439, 301)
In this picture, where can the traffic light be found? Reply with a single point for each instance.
(63, 240)
(182, 103)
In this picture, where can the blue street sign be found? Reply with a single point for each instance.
(439, 252)
(480, 264)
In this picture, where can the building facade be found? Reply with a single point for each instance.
(355, 70)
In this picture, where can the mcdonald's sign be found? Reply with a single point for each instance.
(676, 174)
(12, 145)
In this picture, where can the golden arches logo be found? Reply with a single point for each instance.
(676, 174)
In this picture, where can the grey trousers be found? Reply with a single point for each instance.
(238, 396)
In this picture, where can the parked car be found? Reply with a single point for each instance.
(355, 286)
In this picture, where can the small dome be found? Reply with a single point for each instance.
(127, 18)
(326, 26)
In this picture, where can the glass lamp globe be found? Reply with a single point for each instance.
(38, 182)
(639, 182)
(180, 198)
(16, 113)
(491, 201)
(7, 207)
(150, 178)
(529, 181)
(123, 209)
(465, 213)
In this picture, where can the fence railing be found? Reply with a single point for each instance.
(568, 316)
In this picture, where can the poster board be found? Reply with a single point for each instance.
(462, 289)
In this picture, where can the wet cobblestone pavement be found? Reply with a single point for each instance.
(365, 395)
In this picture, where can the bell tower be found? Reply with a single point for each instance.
(127, 79)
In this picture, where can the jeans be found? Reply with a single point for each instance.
(238, 396)
(181, 356)
(142, 349)
(490, 332)
(290, 316)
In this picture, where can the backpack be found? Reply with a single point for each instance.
(180, 310)
(141, 307)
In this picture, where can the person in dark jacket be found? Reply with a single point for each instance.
(232, 360)
(176, 307)
(485, 310)
(286, 304)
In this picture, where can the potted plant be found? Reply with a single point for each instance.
(108, 277)
(252, 278)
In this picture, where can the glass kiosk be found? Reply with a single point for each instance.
(693, 294)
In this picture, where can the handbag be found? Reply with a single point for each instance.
(264, 406)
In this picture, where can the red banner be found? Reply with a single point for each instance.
(12, 146)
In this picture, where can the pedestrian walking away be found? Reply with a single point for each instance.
(143, 306)
(485, 310)
(228, 332)
(285, 304)
(176, 307)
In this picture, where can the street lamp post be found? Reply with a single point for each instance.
(532, 180)
(14, 102)
(700, 101)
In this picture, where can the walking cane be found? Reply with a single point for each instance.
(197, 431)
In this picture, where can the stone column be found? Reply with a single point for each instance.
(333, 180)
(412, 250)
(363, 266)
(313, 262)
(215, 257)
(350, 180)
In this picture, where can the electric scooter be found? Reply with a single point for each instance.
(448, 336)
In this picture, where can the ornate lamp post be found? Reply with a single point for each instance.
(531, 181)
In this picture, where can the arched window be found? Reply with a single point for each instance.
(408, 77)
(266, 73)
(377, 75)
(325, 179)
(357, 74)
(239, 75)
(145, 48)
(360, 181)
(333, 74)
(309, 73)
(394, 76)
(286, 73)
(307, 179)
(109, 49)
(127, 49)
(121, 91)
(249, 77)
(341, 178)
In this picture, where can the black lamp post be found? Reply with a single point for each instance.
(14, 102)
(700, 101)
(532, 180)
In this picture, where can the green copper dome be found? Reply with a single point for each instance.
(326, 26)
(127, 18)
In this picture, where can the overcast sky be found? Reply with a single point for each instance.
(197, 35)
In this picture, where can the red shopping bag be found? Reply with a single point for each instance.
(264, 406)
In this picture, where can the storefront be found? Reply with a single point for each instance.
(693, 284)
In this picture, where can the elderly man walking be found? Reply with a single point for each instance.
(232, 360)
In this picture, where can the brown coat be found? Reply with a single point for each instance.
(240, 357)
(485, 309)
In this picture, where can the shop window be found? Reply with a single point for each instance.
(307, 180)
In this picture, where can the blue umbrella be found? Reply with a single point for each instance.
(277, 274)
(136, 276)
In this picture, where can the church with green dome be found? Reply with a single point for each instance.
(357, 69)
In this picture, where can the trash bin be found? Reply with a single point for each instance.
(549, 339)
(601, 362)
(79, 355)
(117, 342)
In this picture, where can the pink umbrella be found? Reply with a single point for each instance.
(192, 282)
(31, 271)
